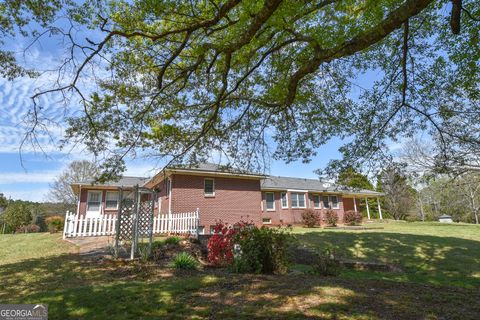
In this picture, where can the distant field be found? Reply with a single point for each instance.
(441, 280)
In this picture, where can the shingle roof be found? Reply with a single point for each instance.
(212, 167)
(123, 182)
(286, 183)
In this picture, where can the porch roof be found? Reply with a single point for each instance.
(126, 181)
(313, 185)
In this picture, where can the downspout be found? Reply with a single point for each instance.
(79, 197)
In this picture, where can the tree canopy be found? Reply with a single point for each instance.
(258, 79)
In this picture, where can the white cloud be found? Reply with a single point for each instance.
(28, 177)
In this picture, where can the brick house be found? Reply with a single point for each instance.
(226, 195)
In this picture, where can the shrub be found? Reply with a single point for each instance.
(262, 250)
(310, 218)
(143, 251)
(184, 260)
(173, 240)
(55, 223)
(332, 217)
(29, 228)
(325, 264)
(352, 218)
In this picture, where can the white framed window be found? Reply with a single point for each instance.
(284, 200)
(267, 221)
(94, 201)
(326, 202)
(111, 200)
(209, 187)
(270, 200)
(316, 201)
(334, 202)
(298, 200)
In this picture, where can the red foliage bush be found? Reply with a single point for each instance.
(352, 218)
(220, 244)
(310, 218)
(29, 228)
(332, 217)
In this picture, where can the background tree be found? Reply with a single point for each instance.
(18, 213)
(3, 201)
(77, 171)
(399, 196)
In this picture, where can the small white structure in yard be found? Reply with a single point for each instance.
(445, 218)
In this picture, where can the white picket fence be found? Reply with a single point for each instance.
(105, 224)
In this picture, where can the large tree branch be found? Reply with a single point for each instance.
(360, 42)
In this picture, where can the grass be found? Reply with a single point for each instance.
(431, 253)
(40, 268)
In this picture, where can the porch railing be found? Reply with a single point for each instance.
(77, 225)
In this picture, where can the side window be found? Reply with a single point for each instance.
(111, 200)
(270, 199)
(334, 201)
(209, 187)
(316, 201)
(284, 200)
(94, 201)
(326, 203)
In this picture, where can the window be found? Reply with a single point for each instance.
(326, 203)
(267, 221)
(111, 200)
(334, 201)
(94, 201)
(284, 200)
(270, 199)
(298, 200)
(316, 201)
(209, 187)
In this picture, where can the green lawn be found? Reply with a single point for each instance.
(42, 268)
(428, 252)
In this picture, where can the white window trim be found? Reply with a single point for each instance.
(213, 188)
(106, 198)
(100, 199)
(331, 202)
(269, 221)
(266, 202)
(298, 202)
(281, 199)
(319, 201)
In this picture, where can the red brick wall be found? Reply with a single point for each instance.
(294, 215)
(235, 199)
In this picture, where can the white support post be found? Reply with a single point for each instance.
(368, 209)
(355, 204)
(379, 209)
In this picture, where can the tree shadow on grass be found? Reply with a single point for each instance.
(432, 259)
(84, 289)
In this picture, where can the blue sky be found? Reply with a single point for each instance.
(29, 179)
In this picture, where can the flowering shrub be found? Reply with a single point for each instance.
(55, 223)
(310, 218)
(262, 250)
(352, 218)
(332, 217)
(29, 228)
(221, 243)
